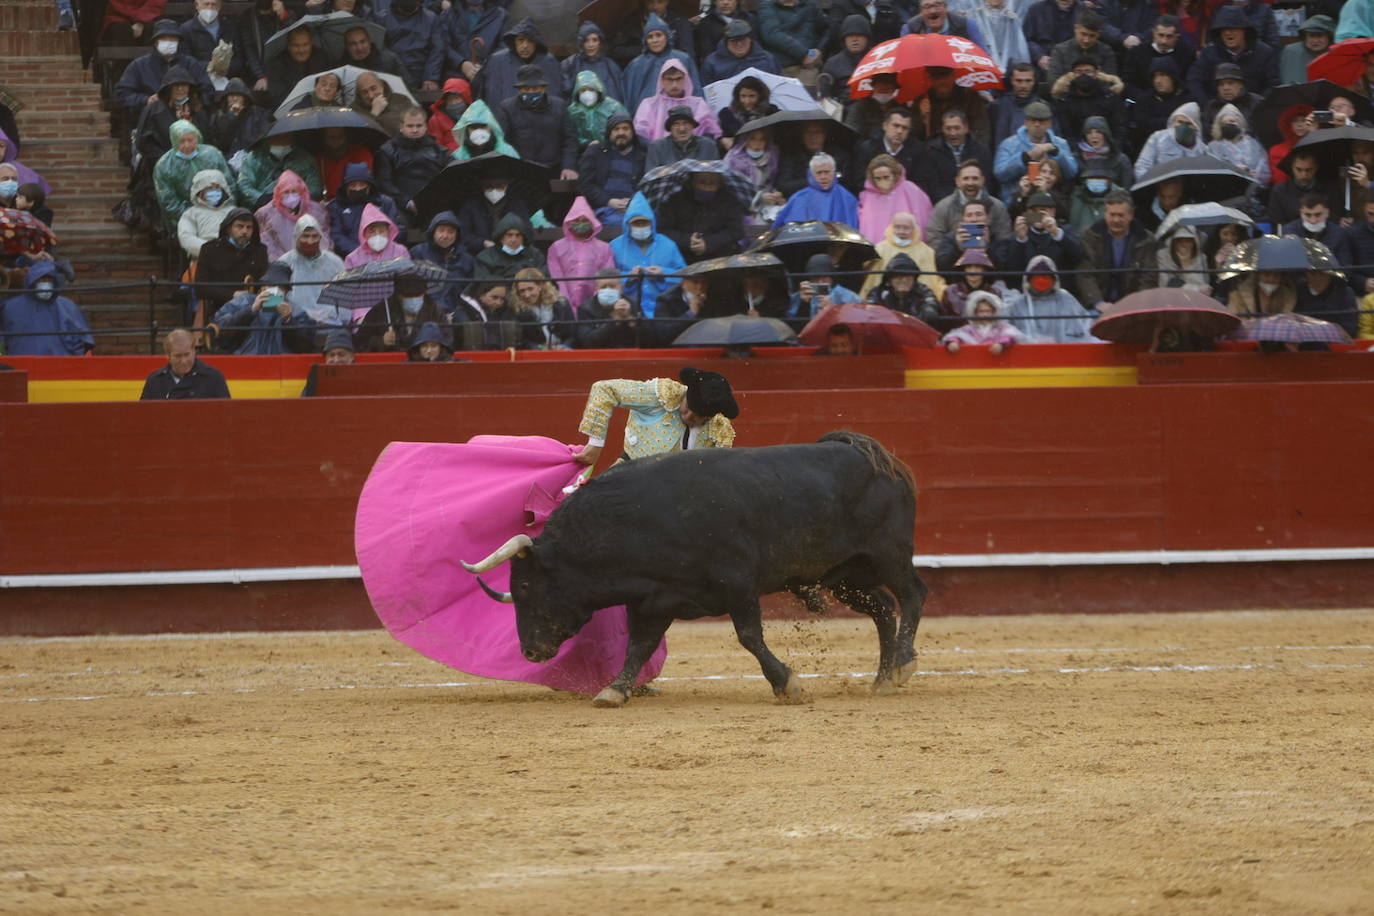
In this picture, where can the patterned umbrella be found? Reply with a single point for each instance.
(1136, 318)
(666, 180)
(736, 331)
(1343, 62)
(870, 325)
(1272, 252)
(360, 288)
(746, 260)
(23, 233)
(1291, 327)
(908, 57)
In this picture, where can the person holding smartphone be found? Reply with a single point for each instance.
(819, 289)
(261, 321)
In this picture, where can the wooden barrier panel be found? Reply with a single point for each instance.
(14, 386)
(1253, 366)
(569, 376)
(273, 483)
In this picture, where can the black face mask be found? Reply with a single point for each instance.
(455, 111)
(1230, 131)
(1084, 84)
(354, 196)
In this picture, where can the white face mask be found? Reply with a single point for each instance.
(588, 97)
(412, 304)
(1269, 288)
(376, 242)
(494, 195)
(273, 291)
(900, 243)
(291, 199)
(1314, 227)
(754, 153)
(207, 16)
(882, 98)
(641, 233)
(167, 47)
(44, 290)
(279, 152)
(608, 296)
(479, 136)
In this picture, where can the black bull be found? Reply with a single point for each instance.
(707, 532)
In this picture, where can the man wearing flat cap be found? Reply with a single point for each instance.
(666, 415)
(681, 142)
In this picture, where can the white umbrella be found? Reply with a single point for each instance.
(785, 92)
(348, 76)
(1209, 213)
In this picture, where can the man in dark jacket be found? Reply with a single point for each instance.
(882, 21)
(1046, 24)
(1037, 232)
(1008, 113)
(1229, 81)
(236, 122)
(1322, 296)
(412, 33)
(201, 34)
(523, 47)
(681, 143)
(533, 123)
(794, 165)
(479, 214)
(1285, 200)
(1116, 243)
(1152, 106)
(854, 37)
(702, 220)
(1314, 222)
(236, 257)
(358, 189)
(946, 153)
(442, 247)
(184, 377)
(178, 97)
(142, 78)
(1233, 41)
(710, 27)
(896, 141)
(1165, 41)
(302, 58)
(410, 160)
(470, 32)
(359, 51)
(629, 41)
(1361, 237)
(1086, 92)
(609, 171)
(737, 51)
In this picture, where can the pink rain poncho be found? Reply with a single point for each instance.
(876, 209)
(574, 257)
(362, 254)
(428, 505)
(277, 221)
(653, 111)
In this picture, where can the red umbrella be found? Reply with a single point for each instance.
(871, 325)
(1343, 62)
(909, 56)
(1136, 318)
(23, 233)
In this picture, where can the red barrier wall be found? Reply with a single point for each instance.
(158, 486)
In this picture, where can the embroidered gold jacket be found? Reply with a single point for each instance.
(654, 425)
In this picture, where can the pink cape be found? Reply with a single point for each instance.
(428, 505)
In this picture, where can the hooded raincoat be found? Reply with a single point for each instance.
(173, 173)
(223, 266)
(200, 222)
(652, 113)
(1188, 274)
(983, 333)
(65, 330)
(1244, 151)
(877, 208)
(657, 251)
(496, 80)
(1035, 314)
(1163, 146)
(479, 114)
(441, 123)
(916, 249)
(277, 221)
(495, 262)
(641, 76)
(589, 123)
(26, 174)
(811, 202)
(574, 257)
(309, 274)
(260, 170)
(345, 214)
(455, 258)
(762, 173)
(607, 71)
(364, 253)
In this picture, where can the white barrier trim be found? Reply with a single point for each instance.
(925, 561)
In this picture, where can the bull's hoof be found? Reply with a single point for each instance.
(905, 672)
(645, 690)
(791, 694)
(609, 698)
(885, 687)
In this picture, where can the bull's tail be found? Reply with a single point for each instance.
(883, 461)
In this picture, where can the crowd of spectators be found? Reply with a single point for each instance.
(1005, 216)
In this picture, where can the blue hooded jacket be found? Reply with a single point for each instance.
(455, 259)
(811, 202)
(659, 251)
(344, 216)
(641, 75)
(25, 313)
(608, 71)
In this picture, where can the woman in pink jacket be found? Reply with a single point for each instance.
(277, 218)
(579, 253)
(886, 193)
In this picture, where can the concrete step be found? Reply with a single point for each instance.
(49, 42)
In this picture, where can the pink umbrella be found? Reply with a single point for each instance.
(427, 506)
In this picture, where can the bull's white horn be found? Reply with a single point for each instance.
(516, 546)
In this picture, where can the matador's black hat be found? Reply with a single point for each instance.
(708, 393)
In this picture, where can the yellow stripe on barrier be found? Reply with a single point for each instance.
(69, 390)
(1036, 377)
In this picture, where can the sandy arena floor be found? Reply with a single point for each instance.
(1214, 763)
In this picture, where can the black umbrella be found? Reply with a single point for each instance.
(1316, 94)
(611, 14)
(1204, 178)
(329, 30)
(1331, 146)
(529, 182)
(795, 242)
(362, 130)
(736, 331)
(837, 130)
